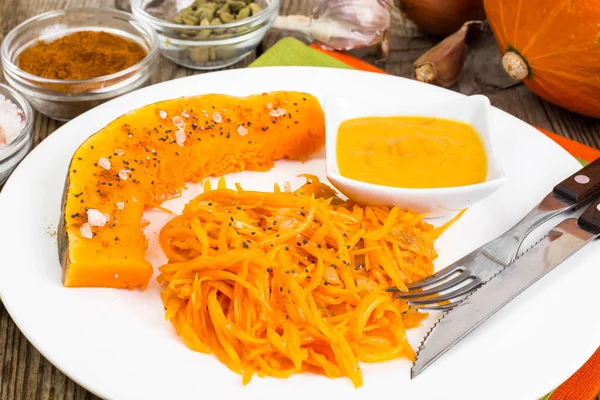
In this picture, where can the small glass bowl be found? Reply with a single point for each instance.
(205, 47)
(14, 152)
(65, 99)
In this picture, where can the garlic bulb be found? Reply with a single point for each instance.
(344, 24)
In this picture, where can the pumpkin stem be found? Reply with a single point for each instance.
(515, 66)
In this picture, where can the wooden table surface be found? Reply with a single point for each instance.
(25, 374)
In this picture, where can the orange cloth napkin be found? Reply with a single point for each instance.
(585, 383)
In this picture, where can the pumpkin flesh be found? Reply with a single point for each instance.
(149, 163)
(559, 41)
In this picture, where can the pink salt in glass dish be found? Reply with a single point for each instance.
(16, 134)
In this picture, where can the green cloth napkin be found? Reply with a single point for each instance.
(292, 52)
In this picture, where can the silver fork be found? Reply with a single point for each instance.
(444, 289)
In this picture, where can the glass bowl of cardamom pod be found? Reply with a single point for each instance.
(207, 34)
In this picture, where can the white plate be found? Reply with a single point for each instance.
(117, 344)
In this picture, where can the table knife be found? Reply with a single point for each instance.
(486, 261)
(564, 240)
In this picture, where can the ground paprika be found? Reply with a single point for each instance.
(81, 55)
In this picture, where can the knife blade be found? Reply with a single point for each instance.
(486, 261)
(564, 240)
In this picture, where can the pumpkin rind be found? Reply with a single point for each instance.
(560, 42)
(222, 134)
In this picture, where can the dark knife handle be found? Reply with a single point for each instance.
(590, 219)
(582, 186)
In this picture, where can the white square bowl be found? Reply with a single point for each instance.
(435, 202)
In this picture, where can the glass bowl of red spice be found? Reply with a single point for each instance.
(66, 62)
(207, 45)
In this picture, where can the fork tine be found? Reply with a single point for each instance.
(438, 276)
(436, 289)
(461, 291)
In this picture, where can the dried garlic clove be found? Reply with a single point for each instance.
(383, 48)
(442, 64)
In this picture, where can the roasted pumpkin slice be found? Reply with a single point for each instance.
(146, 156)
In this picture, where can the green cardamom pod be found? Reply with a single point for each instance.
(236, 5)
(207, 13)
(216, 21)
(227, 18)
(255, 8)
(205, 33)
(244, 13)
(223, 9)
(190, 19)
(199, 54)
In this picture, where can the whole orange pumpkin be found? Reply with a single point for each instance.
(553, 46)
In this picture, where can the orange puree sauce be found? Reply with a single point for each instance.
(411, 152)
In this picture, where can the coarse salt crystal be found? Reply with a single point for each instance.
(134, 199)
(185, 114)
(278, 112)
(224, 110)
(96, 218)
(124, 174)
(270, 105)
(12, 121)
(242, 131)
(178, 122)
(116, 276)
(180, 137)
(120, 205)
(119, 152)
(86, 231)
(162, 114)
(104, 163)
(217, 117)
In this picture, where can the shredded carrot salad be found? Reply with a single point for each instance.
(287, 282)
